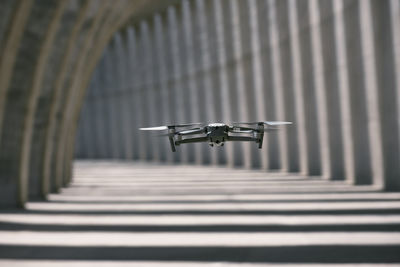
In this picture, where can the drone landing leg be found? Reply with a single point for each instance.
(172, 143)
(260, 142)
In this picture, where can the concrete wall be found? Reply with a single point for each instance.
(48, 51)
(331, 67)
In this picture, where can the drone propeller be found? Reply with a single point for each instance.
(191, 131)
(166, 127)
(184, 132)
(269, 123)
(158, 128)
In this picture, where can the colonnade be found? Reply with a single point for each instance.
(331, 67)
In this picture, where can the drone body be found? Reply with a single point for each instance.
(216, 134)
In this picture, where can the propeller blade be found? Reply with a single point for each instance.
(275, 123)
(166, 127)
(191, 131)
(270, 123)
(157, 128)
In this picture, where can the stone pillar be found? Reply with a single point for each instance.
(185, 110)
(197, 73)
(127, 101)
(98, 117)
(206, 86)
(270, 144)
(308, 89)
(85, 132)
(392, 143)
(371, 88)
(235, 77)
(160, 40)
(222, 82)
(120, 96)
(297, 74)
(159, 102)
(333, 124)
(278, 145)
(318, 73)
(110, 107)
(189, 32)
(288, 86)
(150, 103)
(134, 96)
(385, 21)
(344, 90)
(247, 31)
(175, 76)
(357, 94)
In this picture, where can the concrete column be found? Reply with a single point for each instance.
(175, 75)
(197, 74)
(10, 49)
(97, 115)
(333, 123)
(206, 86)
(120, 96)
(222, 82)
(103, 110)
(281, 10)
(134, 98)
(141, 95)
(371, 87)
(109, 102)
(88, 120)
(235, 78)
(278, 91)
(343, 91)
(191, 61)
(319, 88)
(185, 111)
(246, 81)
(297, 73)
(117, 97)
(383, 65)
(392, 181)
(160, 40)
(123, 57)
(158, 102)
(309, 89)
(256, 79)
(148, 88)
(84, 132)
(357, 94)
(271, 148)
(395, 24)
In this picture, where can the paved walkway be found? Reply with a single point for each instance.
(121, 214)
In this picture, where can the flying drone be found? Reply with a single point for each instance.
(216, 134)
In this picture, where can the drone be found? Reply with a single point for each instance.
(216, 134)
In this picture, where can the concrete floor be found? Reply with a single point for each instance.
(124, 214)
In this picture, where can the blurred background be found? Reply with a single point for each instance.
(79, 77)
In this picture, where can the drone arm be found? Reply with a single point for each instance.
(238, 129)
(241, 138)
(192, 140)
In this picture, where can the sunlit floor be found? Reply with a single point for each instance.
(121, 214)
